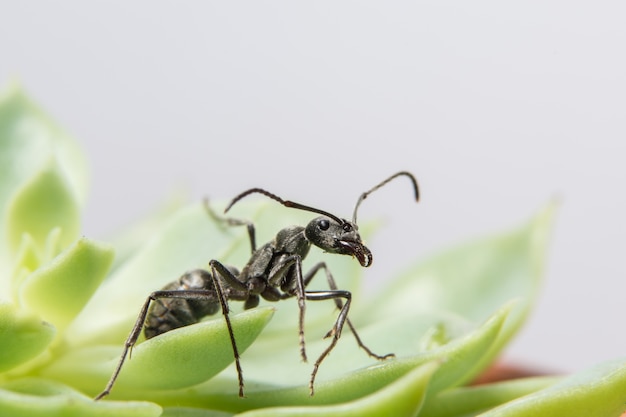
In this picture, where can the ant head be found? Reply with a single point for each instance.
(327, 232)
(341, 237)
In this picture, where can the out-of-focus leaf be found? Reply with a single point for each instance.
(597, 392)
(59, 290)
(27, 259)
(466, 401)
(476, 278)
(30, 397)
(30, 141)
(179, 358)
(41, 205)
(23, 336)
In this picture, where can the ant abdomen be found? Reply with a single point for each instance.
(166, 314)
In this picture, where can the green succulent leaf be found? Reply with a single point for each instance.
(192, 412)
(35, 153)
(60, 290)
(43, 204)
(403, 397)
(474, 279)
(179, 358)
(454, 360)
(597, 392)
(28, 139)
(23, 336)
(31, 397)
(470, 401)
(190, 355)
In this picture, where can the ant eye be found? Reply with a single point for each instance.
(323, 224)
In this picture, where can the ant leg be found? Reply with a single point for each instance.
(234, 283)
(275, 277)
(230, 221)
(335, 332)
(339, 304)
(139, 323)
(128, 345)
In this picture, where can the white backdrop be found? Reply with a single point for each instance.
(497, 107)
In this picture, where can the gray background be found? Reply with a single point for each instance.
(497, 107)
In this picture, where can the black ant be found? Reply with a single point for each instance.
(274, 272)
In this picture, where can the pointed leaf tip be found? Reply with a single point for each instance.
(41, 205)
(60, 290)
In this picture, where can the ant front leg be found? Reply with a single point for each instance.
(333, 286)
(139, 324)
(238, 288)
(276, 276)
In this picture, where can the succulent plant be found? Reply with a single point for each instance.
(67, 303)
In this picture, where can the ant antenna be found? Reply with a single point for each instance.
(365, 194)
(286, 203)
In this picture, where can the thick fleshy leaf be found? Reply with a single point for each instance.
(193, 412)
(31, 397)
(407, 336)
(476, 278)
(27, 259)
(179, 358)
(402, 398)
(41, 205)
(29, 141)
(59, 290)
(457, 358)
(467, 401)
(597, 392)
(23, 336)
